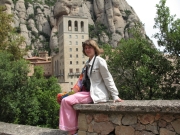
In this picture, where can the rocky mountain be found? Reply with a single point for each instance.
(36, 20)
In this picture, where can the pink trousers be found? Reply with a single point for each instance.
(68, 117)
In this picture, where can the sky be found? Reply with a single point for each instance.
(146, 11)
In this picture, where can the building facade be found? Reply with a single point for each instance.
(68, 63)
(44, 61)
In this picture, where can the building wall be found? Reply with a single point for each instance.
(70, 60)
(47, 68)
(31, 70)
(44, 61)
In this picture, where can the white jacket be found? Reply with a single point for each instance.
(102, 82)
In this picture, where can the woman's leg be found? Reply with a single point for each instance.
(68, 116)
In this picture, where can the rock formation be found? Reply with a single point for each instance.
(37, 22)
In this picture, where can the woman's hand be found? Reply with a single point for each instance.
(118, 100)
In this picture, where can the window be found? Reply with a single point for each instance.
(76, 49)
(70, 55)
(69, 26)
(83, 62)
(77, 62)
(76, 42)
(70, 36)
(71, 62)
(76, 36)
(70, 43)
(70, 49)
(77, 70)
(75, 26)
(70, 70)
(82, 26)
(82, 36)
(71, 83)
(76, 55)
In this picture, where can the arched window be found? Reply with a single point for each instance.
(75, 26)
(69, 26)
(82, 26)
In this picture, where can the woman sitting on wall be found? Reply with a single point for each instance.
(94, 85)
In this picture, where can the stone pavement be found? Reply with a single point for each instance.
(15, 129)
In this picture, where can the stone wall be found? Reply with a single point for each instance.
(130, 117)
(157, 117)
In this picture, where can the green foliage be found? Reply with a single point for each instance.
(127, 12)
(46, 91)
(27, 100)
(5, 27)
(138, 69)
(31, 16)
(50, 2)
(169, 38)
(96, 30)
(13, 77)
(47, 37)
(34, 34)
(10, 40)
(17, 29)
(56, 50)
(45, 43)
(169, 35)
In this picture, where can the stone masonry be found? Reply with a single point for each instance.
(157, 117)
(130, 117)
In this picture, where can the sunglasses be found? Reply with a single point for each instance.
(85, 43)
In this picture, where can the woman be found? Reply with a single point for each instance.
(101, 84)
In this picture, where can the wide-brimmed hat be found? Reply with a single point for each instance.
(92, 43)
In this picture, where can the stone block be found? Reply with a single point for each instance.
(164, 131)
(103, 128)
(129, 119)
(176, 125)
(124, 130)
(82, 123)
(146, 119)
(101, 117)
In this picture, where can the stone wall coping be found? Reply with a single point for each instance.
(133, 106)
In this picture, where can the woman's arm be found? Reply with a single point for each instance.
(108, 80)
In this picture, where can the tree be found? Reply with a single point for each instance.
(169, 38)
(24, 100)
(46, 109)
(137, 67)
(13, 78)
(27, 100)
(10, 40)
